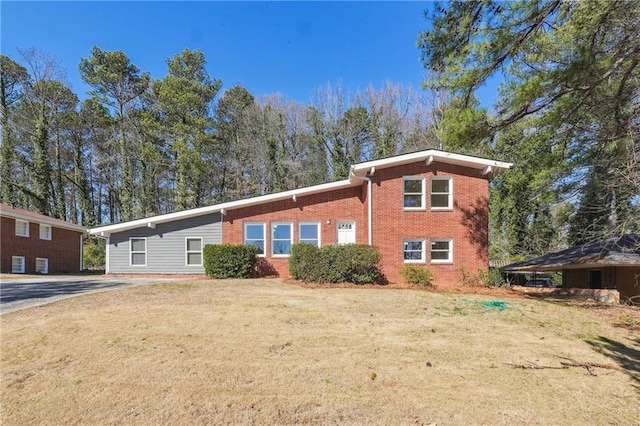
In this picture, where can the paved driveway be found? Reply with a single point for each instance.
(29, 291)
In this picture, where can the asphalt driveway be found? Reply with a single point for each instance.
(28, 291)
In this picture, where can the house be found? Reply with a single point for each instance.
(610, 263)
(427, 208)
(34, 243)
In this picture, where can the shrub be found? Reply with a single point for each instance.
(230, 260)
(301, 260)
(355, 263)
(481, 278)
(94, 253)
(495, 278)
(414, 274)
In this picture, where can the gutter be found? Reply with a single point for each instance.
(369, 201)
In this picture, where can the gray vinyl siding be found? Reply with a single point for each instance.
(166, 250)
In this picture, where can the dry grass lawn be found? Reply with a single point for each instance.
(270, 352)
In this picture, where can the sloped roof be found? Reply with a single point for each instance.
(8, 211)
(616, 251)
(485, 165)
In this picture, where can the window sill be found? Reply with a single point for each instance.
(414, 209)
(280, 256)
(414, 261)
(442, 262)
(441, 209)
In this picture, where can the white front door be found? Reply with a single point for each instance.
(346, 232)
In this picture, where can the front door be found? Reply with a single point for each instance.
(346, 232)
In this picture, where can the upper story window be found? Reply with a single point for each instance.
(138, 251)
(413, 251)
(45, 232)
(441, 192)
(441, 251)
(194, 251)
(254, 234)
(413, 193)
(22, 228)
(281, 239)
(309, 233)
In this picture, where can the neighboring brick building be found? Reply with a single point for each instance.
(34, 243)
(428, 208)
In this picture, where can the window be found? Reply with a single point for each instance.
(413, 251)
(413, 193)
(17, 264)
(281, 237)
(22, 228)
(441, 251)
(309, 233)
(42, 265)
(441, 193)
(138, 249)
(194, 251)
(254, 234)
(45, 232)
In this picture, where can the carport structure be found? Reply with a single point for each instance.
(610, 263)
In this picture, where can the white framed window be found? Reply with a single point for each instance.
(413, 193)
(281, 239)
(441, 251)
(42, 265)
(22, 228)
(413, 251)
(309, 232)
(254, 234)
(193, 251)
(441, 193)
(45, 232)
(17, 264)
(138, 251)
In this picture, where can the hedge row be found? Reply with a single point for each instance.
(354, 263)
(230, 260)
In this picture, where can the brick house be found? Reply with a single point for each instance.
(34, 243)
(429, 208)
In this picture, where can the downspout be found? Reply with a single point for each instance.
(369, 203)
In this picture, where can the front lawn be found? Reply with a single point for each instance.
(269, 352)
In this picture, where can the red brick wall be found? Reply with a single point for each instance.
(343, 204)
(63, 250)
(466, 223)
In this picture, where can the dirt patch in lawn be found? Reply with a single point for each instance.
(268, 352)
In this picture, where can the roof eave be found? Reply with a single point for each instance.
(46, 221)
(105, 231)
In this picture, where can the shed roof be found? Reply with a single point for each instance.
(485, 165)
(615, 251)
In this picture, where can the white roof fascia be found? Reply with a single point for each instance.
(44, 220)
(432, 154)
(435, 155)
(105, 231)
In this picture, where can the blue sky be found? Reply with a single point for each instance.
(292, 48)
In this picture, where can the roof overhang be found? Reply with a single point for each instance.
(432, 155)
(429, 156)
(560, 267)
(28, 216)
(223, 208)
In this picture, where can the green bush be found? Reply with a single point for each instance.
(355, 263)
(414, 274)
(94, 253)
(301, 260)
(230, 260)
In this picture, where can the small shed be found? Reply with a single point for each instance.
(610, 263)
